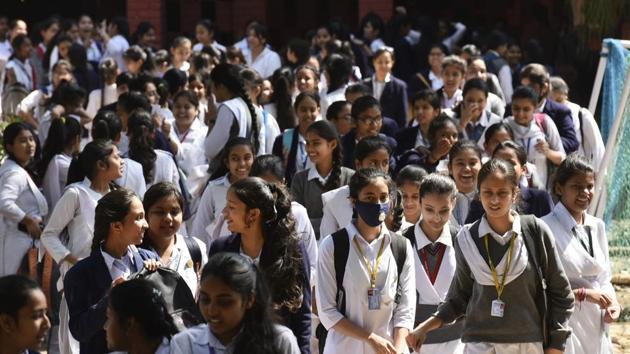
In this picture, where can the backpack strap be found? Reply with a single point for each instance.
(195, 252)
(399, 251)
(342, 250)
(541, 122)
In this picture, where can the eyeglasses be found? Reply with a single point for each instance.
(371, 120)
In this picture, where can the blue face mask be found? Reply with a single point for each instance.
(372, 213)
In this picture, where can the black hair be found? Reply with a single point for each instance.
(362, 104)
(365, 176)
(113, 207)
(519, 150)
(15, 293)
(335, 108)
(282, 81)
(571, 166)
(495, 128)
(475, 84)
(140, 300)
(368, 145)
(436, 183)
(283, 269)
(310, 68)
(207, 24)
(439, 123)
(462, 145)
(159, 191)
(176, 80)
(125, 78)
(106, 125)
(411, 174)
(251, 79)
(140, 131)
(70, 94)
(11, 132)
(428, 95)
(63, 133)
(260, 30)
(339, 69)
(359, 88)
(268, 164)
(221, 161)
(232, 53)
(527, 93)
(107, 69)
(162, 57)
(384, 50)
(441, 47)
(17, 42)
(301, 49)
(78, 57)
(494, 165)
(122, 26)
(189, 95)
(536, 73)
(85, 165)
(304, 95)
(375, 20)
(200, 61)
(236, 272)
(496, 39)
(327, 131)
(143, 28)
(228, 75)
(180, 40)
(133, 100)
(135, 53)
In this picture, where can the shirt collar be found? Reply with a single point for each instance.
(432, 76)
(483, 120)
(353, 232)
(542, 106)
(109, 259)
(485, 229)
(223, 181)
(388, 78)
(313, 174)
(566, 219)
(422, 240)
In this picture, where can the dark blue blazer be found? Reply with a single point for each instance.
(348, 144)
(406, 140)
(533, 201)
(389, 127)
(86, 287)
(561, 116)
(393, 99)
(299, 322)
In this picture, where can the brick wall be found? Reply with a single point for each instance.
(383, 8)
(146, 10)
(233, 15)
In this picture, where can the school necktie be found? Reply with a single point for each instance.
(582, 233)
(474, 131)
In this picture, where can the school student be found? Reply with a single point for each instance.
(339, 114)
(323, 147)
(390, 91)
(259, 56)
(536, 132)
(138, 321)
(236, 304)
(426, 107)
(56, 157)
(307, 78)
(453, 71)
(164, 207)
(24, 322)
(389, 126)
(583, 249)
(434, 260)
(23, 207)
(291, 144)
(190, 131)
(69, 99)
(408, 182)
(370, 152)
(119, 226)
(269, 129)
(337, 72)
(464, 164)
(237, 158)
(370, 307)
(505, 266)
(258, 214)
(18, 69)
(235, 114)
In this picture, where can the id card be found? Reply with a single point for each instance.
(498, 308)
(374, 299)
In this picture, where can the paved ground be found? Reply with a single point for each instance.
(620, 332)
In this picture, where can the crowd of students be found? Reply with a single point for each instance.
(340, 201)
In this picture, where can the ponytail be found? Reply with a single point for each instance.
(106, 125)
(140, 130)
(85, 164)
(62, 134)
(282, 80)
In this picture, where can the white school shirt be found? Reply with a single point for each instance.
(590, 139)
(227, 112)
(529, 136)
(132, 177)
(379, 86)
(337, 210)
(23, 72)
(588, 329)
(449, 103)
(165, 169)
(436, 81)
(55, 178)
(125, 266)
(269, 131)
(216, 45)
(19, 197)
(265, 63)
(462, 206)
(356, 283)
(210, 207)
(190, 153)
(434, 294)
(181, 261)
(328, 98)
(33, 104)
(73, 213)
(115, 48)
(94, 99)
(200, 340)
(485, 121)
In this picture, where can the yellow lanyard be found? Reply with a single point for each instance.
(371, 271)
(493, 270)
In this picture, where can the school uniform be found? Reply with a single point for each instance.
(55, 178)
(419, 156)
(35, 102)
(450, 102)
(132, 177)
(20, 197)
(531, 201)
(164, 169)
(561, 117)
(201, 340)
(499, 66)
(307, 188)
(475, 131)
(424, 80)
(265, 63)
(299, 322)
(337, 210)
(462, 207)
(290, 146)
(410, 138)
(528, 137)
(588, 134)
(356, 282)
(583, 250)
(328, 98)
(24, 73)
(86, 287)
(190, 153)
(392, 94)
(516, 327)
(210, 207)
(349, 142)
(115, 48)
(216, 45)
(269, 131)
(233, 119)
(434, 264)
(101, 97)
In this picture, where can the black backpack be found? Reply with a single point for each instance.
(342, 249)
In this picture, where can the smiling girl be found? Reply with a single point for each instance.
(408, 182)
(234, 300)
(453, 71)
(190, 131)
(426, 107)
(464, 164)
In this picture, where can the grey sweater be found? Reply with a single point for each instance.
(309, 194)
(521, 322)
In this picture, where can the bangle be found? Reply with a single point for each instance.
(581, 294)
